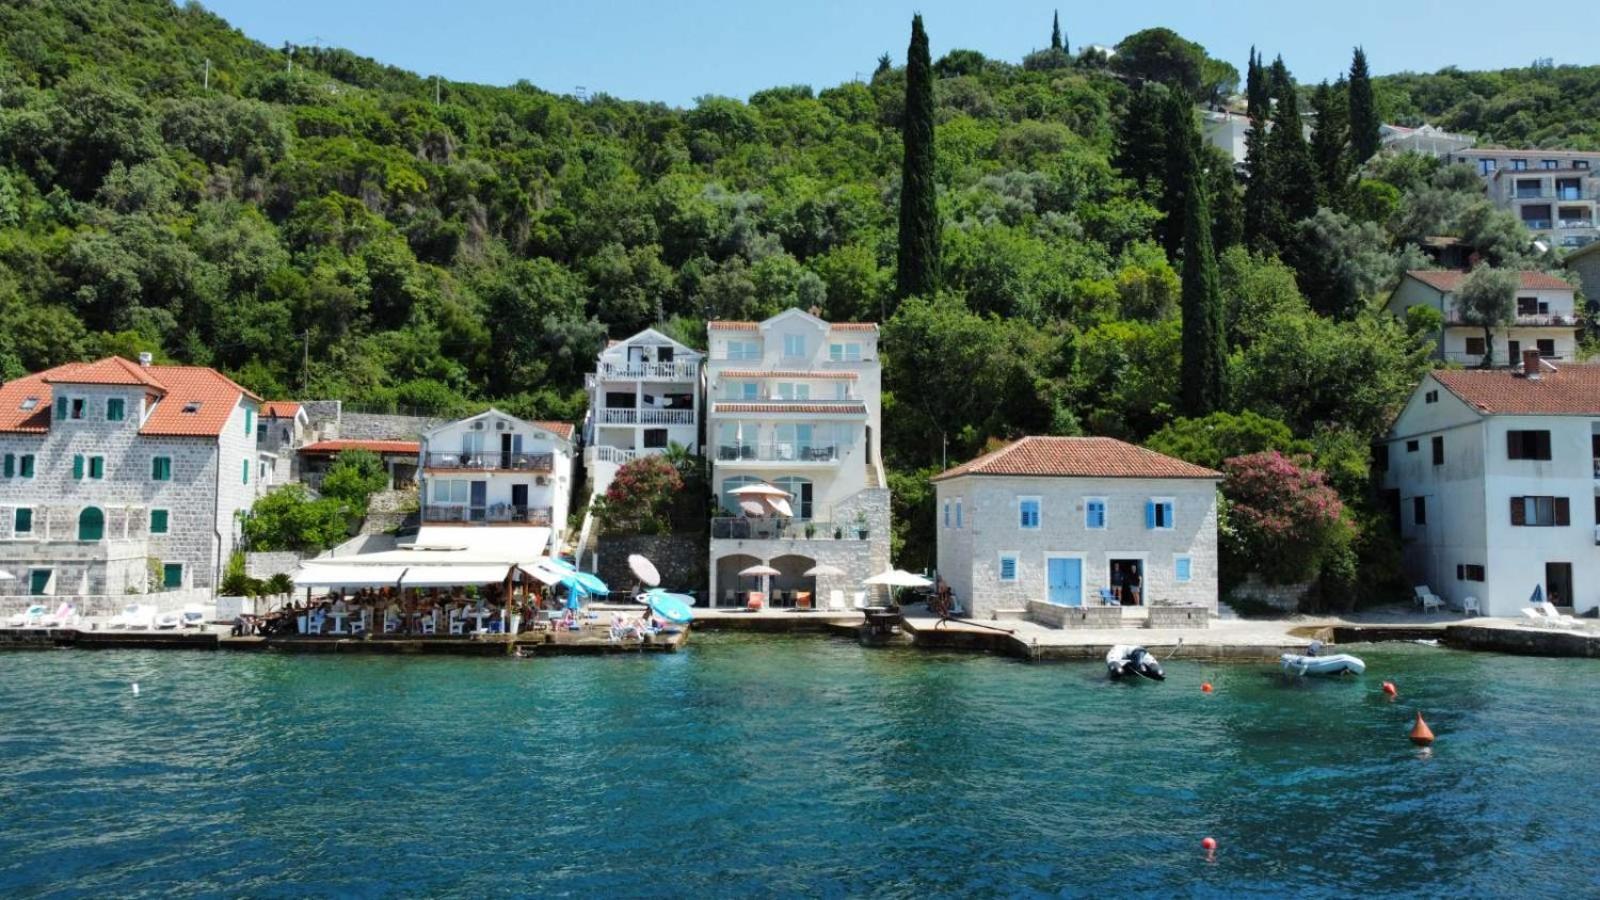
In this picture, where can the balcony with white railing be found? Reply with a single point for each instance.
(677, 370)
(489, 514)
(600, 453)
(781, 451)
(614, 416)
(491, 461)
(1543, 320)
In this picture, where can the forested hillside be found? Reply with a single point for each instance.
(320, 225)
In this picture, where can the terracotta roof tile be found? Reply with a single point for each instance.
(854, 326)
(174, 386)
(561, 430)
(339, 446)
(1449, 280)
(1571, 390)
(724, 325)
(1078, 457)
(785, 373)
(854, 408)
(280, 409)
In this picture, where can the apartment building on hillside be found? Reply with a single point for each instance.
(1553, 192)
(644, 395)
(494, 469)
(1546, 317)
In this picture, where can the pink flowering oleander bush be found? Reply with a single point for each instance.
(640, 497)
(1284, 520)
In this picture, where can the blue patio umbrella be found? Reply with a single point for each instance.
(1538, 595)
(671, 606)
(586, 582)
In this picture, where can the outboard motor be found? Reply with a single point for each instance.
(1143, 663)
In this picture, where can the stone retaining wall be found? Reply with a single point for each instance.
(680, 558)
(1286, 597)
(1051, 615)
(264, 565)
(1178, 617)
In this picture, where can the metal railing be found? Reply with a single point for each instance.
(1543, 193)
(741, 528)
(495, 513)
(620, 455)
(780, 451)
(610, 416)
(1527, 320)
(492, 461)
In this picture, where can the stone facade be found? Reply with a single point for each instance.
(264, 565)
(987, 528)
(1054, 615)
(859, 558)
(212, 479)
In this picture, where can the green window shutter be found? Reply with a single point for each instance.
(61, 408)
(161, 468)
(115, 409)
(245, 472)
(24, 521)
(158, 521)
(27, 465)
(172, 575)
(97, 467)
(249, 422)
(77, 467)
(11, 465)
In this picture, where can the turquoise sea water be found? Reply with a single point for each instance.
(790, 767)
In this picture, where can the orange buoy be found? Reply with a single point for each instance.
(1421, 734)
(1205, 687)
(1208, 844)
(1389, 689)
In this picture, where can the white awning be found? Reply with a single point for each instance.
(334, 575)
(454, 576)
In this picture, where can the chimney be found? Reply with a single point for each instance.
(1531, 364)
(145, 359)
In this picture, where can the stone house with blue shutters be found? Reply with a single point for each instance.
(1075, 521)
(120, 478)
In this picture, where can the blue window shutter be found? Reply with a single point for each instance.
(1167, 517)
(61, 408)
(11, 464)
(1149, 514)
(1183, 568)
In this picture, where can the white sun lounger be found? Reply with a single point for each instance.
(1556, 617)
(65, 616)
(28, 618)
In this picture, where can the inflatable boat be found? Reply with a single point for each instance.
(1313, 664)
(1126, 660)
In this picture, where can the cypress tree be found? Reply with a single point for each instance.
(1292, 173)
(1205, 356)
(1260, 193)
(1328, 143)
(1055, 31)
(1141, 152)
(1182, 165)
(1364, 139)
(918, 269)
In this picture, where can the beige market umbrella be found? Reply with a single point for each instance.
(759, 490)
(781, 507)
(765, 573)
(753, 508)
(644, 570)
(824, 570)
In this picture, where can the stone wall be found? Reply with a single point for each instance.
(860, 559)
(380, 427)
(264, 565)
(1178, 617)
(680, 558)
(1286, 597)
(1052, 615)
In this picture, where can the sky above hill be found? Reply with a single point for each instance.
(676, 51)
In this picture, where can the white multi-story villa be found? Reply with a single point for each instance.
(1486, 474)
(1428, 140)
(1553, 192)
(644, 395)
(497, 469)
(795, 402)
(1077, 521)
(1546, 317)
(119, 478)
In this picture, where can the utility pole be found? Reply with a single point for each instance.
(435, 90)
(208, 74)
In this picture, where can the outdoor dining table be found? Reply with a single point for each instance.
(478, 613)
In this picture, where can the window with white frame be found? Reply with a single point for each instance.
(844, 352)
(744, 390)
(790, 390)
(958, 512)
(1183, 569)
(1008, 567)
(1158, 513)
(794, 346)
(450, 490)
(947, 514)
(1094, 513)
(841, 390)
(744, 350)
(1028, 512)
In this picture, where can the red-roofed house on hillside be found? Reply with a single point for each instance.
(1546, 317)
(1046, 526)
(1492, 483)
(795, 403)
(121, 478)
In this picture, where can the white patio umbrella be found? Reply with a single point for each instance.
(824, 570)
(7, 576)
(898, 578)
(644, 570)
(765, 573)
(753, 507)
(759, 490)
(781, 506)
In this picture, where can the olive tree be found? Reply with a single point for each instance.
(1486, 299)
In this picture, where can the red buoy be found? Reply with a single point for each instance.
(1421, 734)
(1389, 688)
(1208, 844)
(1205, 687)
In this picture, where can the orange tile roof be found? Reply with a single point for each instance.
(723, 325)
(173, 386)
(280, 409)
(1448, 280)
(761, 373)
(339, 446)
(561, 430)
(854, 326)
(1571, 390)
(853, 408)
(1077, 457)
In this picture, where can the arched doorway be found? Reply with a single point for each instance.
(792, 588)
(730, 587)
(91, 524)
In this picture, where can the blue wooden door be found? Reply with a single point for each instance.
(1066, 581)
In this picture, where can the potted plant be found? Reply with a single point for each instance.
(861, 525)
(811, 531)
(838, 533)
